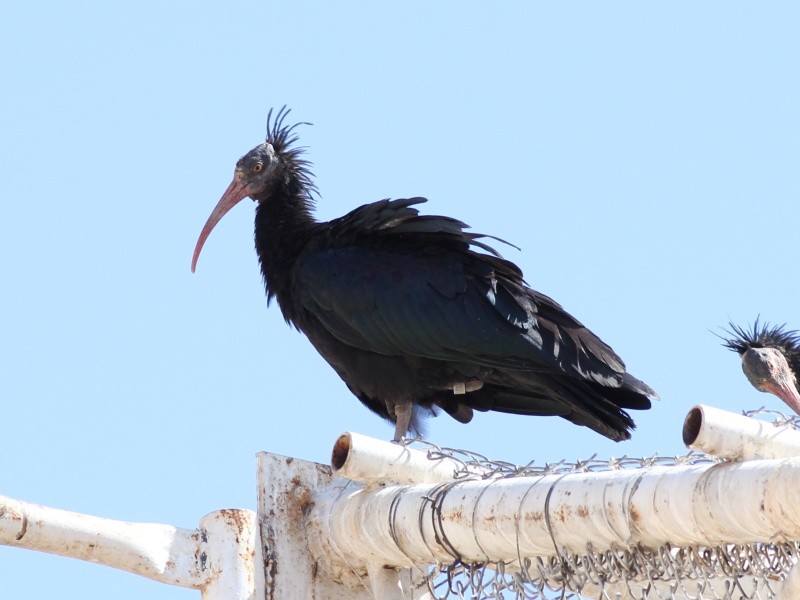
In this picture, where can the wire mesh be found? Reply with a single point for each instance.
(725, 572)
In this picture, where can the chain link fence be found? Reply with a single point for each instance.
(722, 572)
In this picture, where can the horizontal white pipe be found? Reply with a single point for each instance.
(500, 519)
(368, 460)
(736, 437)
(218, 558)
(160, 552)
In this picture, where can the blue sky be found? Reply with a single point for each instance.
(644, 156)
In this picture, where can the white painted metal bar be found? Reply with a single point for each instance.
(368, 460)
(216, 559)
(331, 538)
(736, 437)
(790, 590)
(302, 562)
(159, 552)
(389, 583)
(233, 558)
(754, 501)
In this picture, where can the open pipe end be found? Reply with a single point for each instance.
(341, 451)
(692, 425)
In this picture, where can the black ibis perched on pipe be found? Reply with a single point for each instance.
(416, 314)
(770, 359)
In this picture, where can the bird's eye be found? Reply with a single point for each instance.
(257, 167)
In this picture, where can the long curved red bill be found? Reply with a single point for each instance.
(236, 192)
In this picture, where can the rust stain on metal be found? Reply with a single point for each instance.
(303, 498)
(239, 521)
(341, 450)
(250, 568)
(270, 559)
(564, 514)
(535, 516)
(456, 516)
(635, 516)
(583, 512)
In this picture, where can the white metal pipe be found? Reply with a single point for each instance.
(754, 501)
(218, 558)
(291, 571)
(368, 460)
(302, 562)
(790, 590)
(230, 536)
(736, 437)
(397, 584)
(160, 552)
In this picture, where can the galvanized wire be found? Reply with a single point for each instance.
(725, 572)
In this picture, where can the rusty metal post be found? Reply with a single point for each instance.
(231, 553)
(300, 560)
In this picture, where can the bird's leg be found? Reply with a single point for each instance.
(402, 413)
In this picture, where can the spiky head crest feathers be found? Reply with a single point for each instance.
(765, 336)
(282, 137)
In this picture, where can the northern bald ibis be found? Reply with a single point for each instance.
(416, 314)
(770, 359)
